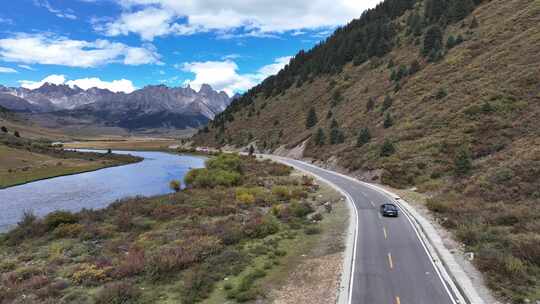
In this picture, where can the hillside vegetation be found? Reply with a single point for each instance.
(232, 235)
(443, 95)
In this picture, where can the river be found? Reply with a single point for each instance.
(97, 189)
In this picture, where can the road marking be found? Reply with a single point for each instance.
(385, 233)
(398, 301)
(390, 261)
(372, 204)
(380, 216)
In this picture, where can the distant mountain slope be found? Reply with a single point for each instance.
(443, 96)
(150, 107)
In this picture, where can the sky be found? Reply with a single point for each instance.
(124, 45)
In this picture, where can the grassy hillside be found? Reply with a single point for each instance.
(460, 123)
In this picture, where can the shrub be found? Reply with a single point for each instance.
(56, 218)
(300, 210)
(312, 230)
(441, 93)
(88, 274)
(225, 162)
(68, 230)
(311, 119)
(198, 283)
(204, 178)
(320, 138)
(317, 217)
(175, 185)
(117, 293)
(463, 161)
(281, 192)
(388, 120)
(261, 226)
(133, 263)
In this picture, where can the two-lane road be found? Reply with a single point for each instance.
(391, 264)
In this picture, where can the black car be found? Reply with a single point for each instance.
(389, 210)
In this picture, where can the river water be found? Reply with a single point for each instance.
(97, 189)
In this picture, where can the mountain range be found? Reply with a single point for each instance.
(151, 107)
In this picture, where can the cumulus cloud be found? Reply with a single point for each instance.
(154, 18)
(57, 50)
(7, 70)
(122, 85)
(224, 75)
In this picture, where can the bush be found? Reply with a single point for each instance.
(175, 185)
(387, 149)
(312, 230)
(198, 283)
(56, 218)
(204, 178)
(88, 274)
(281, 192)
(68, 230)
(117, 293)
(261, 226)
(225, 162)
(300, 210)
(463, 161)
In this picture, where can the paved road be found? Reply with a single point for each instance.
(391, 265)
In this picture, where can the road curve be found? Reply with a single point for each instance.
(390, 262)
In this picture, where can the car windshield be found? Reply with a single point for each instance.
(390, 207)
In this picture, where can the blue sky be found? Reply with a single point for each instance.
(127, 44)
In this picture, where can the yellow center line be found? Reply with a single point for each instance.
(398, 301)
(390, 261)
(385, 233)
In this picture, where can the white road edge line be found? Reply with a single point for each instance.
(352, 205)
(472, 297)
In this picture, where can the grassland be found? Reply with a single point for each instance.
(233, 235)
(124, 143)
(23, 160)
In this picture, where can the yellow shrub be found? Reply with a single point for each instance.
(89, 274)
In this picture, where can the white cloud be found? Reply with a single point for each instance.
(56, 50)
(122, 85)
(26, 67)
(67, 14)
(53, 79)
(224, 76)
(7, 70)
(154, 18)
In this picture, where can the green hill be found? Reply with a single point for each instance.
(443, 95)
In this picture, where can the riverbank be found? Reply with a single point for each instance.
(125, 143)
(21, 166)
(234, 235)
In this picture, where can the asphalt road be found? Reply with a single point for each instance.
(391, 265)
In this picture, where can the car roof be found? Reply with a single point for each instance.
(389, 204)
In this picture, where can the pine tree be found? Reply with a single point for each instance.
(370, 104)
(432, 40)
(463, 161)
(320, 138)
(460, 9)
(363, 137)
(387, 103)
(311, 119)
(387, 148)
(451, 42)
(474, 23)
(334, 124)
(388, 120)
(415, 67)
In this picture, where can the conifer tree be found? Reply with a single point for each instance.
(463, 161)
(311, 119)
(460, 9)
(320, 138)
(388, 120)
(387, 148)
(387, 103)
(432, 40)
(370, 104)
(363, 137)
